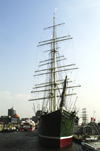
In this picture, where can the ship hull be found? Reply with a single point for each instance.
(56, 129)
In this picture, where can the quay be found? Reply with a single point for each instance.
(91, 146)
(9, 127)
(79, 138)
(88, 136)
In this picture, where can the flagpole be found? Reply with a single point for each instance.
(93, 115)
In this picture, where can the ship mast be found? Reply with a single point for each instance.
(51, 80)
(54, 47)
(52, 85)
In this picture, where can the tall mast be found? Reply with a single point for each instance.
(54, 47)
(52, 85)
(51, 80)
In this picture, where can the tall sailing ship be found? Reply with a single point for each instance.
(56, 122)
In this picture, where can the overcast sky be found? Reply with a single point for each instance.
(21, 27)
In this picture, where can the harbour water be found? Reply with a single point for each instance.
(28, 141)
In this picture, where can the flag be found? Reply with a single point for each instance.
(93, 119)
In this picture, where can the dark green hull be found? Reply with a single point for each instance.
(56, 128)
